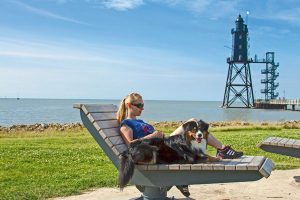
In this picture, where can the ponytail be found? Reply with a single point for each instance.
(121, 114)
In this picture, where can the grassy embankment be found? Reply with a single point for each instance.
(39, 165)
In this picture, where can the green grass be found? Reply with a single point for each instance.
(52, 164)
(39, 165)
(246, 140)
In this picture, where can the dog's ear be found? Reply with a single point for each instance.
(189, 136)
(203, 126)
(190, 126)
(185, 126)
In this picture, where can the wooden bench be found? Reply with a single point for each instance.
(155, 180)
(283, 146)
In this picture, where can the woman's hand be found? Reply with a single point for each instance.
(127, 135)
(155, 134)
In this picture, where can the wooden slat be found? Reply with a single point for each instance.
(268, 140)
(100, 125)
(98, 108)
(163, 167)
(231, 164)
(90, 117)
(276, 141)
(185, 167)
(196, 167)
(116, 140)
(290, 143)
(110, 132)
(116, 152)
(252, 163)
(218, 166)
(207, 166)
(296, 144)
(108, 142)
(256, 163)
(273, 140)
(244, 162)
(283, 142)
(101, 116)
(83, 108)
(103, 135)
(77, 105)
(279, 141)
(121, 148)
(174, 167)
(283, 146)
(152, 167)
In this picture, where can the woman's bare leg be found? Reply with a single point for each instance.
(212, 141)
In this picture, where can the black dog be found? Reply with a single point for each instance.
(174, 149)
(137, 153)
(177, 148)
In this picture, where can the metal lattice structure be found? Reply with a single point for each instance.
(271, 76)
(239, 83)
(238, 86)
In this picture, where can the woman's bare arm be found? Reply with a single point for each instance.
(127, 135)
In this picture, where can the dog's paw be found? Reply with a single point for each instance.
(189, 159)
(213, 159)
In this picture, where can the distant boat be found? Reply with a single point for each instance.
(18, 98)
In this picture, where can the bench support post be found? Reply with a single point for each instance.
(153, 193)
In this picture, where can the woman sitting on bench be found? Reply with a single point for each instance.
(134, 129)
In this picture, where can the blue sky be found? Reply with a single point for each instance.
(163, 49)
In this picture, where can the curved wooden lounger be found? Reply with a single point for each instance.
(155, 180)
(283, 146)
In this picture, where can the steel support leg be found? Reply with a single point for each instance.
(153, 193)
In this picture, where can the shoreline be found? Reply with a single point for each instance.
(290, 124)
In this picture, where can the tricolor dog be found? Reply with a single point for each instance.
(201, 136)
(168, 150)
(186, 148)
(199, 144)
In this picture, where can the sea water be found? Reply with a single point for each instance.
(31, 111)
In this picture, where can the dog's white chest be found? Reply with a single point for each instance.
(202, 145)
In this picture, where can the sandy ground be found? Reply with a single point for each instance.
(280, 185)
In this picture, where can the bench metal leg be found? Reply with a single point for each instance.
(153, 193)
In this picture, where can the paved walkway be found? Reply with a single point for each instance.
(280, 185)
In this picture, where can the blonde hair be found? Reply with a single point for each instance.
(122, 112)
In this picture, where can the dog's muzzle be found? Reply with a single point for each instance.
(199, 136)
